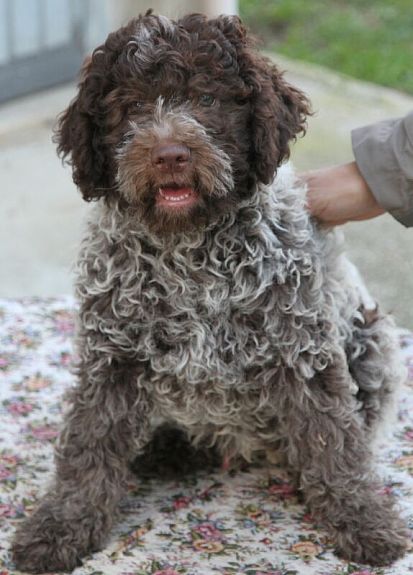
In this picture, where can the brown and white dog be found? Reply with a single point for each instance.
(208, 299)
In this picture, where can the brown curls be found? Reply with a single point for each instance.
(279, 114)
(278, 110)
(82, 129)
(153, 54)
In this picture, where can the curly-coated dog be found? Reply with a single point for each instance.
(208, 298)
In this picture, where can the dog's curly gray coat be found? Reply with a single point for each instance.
(246, 332)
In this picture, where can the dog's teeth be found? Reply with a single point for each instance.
(173, 198)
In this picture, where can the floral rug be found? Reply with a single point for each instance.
(244, 523)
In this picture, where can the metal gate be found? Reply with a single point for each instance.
(41, 43)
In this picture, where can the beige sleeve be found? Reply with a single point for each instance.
(384, 155)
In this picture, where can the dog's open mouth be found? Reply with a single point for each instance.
(176, 197)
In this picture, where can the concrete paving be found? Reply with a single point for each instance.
(41, 213)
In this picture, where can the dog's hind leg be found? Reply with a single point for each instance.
(106, 425)
(327, 444)
(375, 365)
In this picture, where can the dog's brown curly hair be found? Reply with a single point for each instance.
(90, 129)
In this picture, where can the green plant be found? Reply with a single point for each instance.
(368, 39)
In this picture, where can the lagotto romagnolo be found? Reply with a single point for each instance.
(208, 299)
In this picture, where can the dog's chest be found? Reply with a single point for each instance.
(218, 306)
(208, 313)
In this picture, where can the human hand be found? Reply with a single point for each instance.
(340, 194)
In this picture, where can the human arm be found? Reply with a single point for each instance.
(340, 194)
(384, 156)
(381, 178)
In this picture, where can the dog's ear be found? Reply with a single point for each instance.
(278, 116)
(81, 133)
(278, 110)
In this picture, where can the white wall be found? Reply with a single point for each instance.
(96, 17)
(107, 15)
(29, 26)
(119, 11)
(216, 7)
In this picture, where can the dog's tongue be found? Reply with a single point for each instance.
(175, 196)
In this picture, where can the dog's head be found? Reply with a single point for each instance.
(179, 119)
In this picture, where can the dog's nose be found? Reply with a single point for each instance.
(170, 157)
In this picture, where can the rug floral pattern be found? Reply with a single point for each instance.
(243, 523)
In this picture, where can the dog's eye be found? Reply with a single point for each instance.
(206, 100)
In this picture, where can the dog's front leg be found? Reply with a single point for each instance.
(327, 445)
(105, 427)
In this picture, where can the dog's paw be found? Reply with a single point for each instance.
(46, 542)
(44, 556)
(43, 547)
(376, 543)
